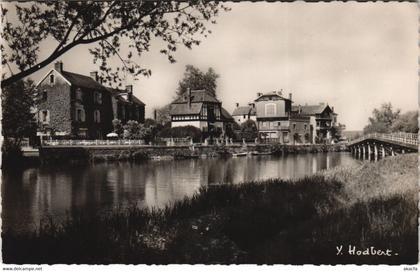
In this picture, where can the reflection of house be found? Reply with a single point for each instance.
(200, 109)
(275, 121)
(322, 118)
(244, 113)
(72, 105)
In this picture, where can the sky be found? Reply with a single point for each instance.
(353, 56)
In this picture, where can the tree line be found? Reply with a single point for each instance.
(387, 120)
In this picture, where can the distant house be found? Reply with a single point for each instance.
(72, 105)
(200, 109)
(275, 120)
(126, 106)
(322, 118)
(243, 113)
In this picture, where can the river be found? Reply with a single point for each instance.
(35, 193)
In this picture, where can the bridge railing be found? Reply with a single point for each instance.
(400, 137)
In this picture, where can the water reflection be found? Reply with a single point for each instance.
(31, 194)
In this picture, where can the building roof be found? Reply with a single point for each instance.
(123, 98)
(184, 109)
(225, 115)
(81, 80)
(272, 94)
(244, 110)
(197, 96)
(310, 109)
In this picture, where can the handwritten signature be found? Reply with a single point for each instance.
(370, 251)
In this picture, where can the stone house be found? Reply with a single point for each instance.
(71, 105)
(126, 106)
(243, 113)
(200, 109)
(275, 120)
(322, 118)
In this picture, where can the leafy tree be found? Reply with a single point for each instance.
(115, 29)
(230, 130)
(154, 127)
(182, 132)
(407, 122)
(18, 118)
(135, 130)
(249, 130)
(337, 131)
(118, 127)
(382, 119)
(196, 79)
(163, 115)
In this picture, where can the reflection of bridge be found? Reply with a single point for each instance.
(382, 145)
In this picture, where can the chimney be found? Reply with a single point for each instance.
(299, 109)
(237, 104)
(58, 66)
(155, 114)
(290, 96)
(94, 76)
(129, 90)
(189, 97)
(332, 108)
(259, 94)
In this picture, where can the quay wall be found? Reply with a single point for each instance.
(52, 154)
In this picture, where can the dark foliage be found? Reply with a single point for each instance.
(195, 79)
(182, 132)
(269, 222)
(122, 30)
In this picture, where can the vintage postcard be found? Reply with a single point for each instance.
(209, 133)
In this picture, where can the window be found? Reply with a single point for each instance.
(44, 116)
(80, 114)
(79, 94)
(305, 126)
(217, 112)
(204, 112)
(270, 109)
(294, 125)
(44, 95)
(97, 97)
(97, 116)
(52, 79)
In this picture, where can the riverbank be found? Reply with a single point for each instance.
(277, 221)
(55, 154)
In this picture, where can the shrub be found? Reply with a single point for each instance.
(182, 132)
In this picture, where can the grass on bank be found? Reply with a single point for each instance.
(270, 222)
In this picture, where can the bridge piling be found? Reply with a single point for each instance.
(383, 151)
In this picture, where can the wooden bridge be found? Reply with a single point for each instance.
(381, 145)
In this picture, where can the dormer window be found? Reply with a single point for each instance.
(79, 95)
(97, 97)
(52, 79)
